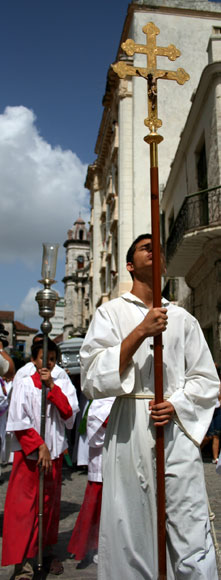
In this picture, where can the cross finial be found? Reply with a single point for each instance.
(151, 73)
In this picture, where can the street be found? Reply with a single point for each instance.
(73, 486)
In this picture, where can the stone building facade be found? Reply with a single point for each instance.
(118, 180)
(57, 320)
(191, 206)
(76, 281)
(20, 336)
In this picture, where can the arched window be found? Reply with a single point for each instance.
(81, 235)
(80, 262)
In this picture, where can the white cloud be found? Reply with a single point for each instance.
(28, 309)
(42, 188)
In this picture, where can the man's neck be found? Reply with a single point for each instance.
(143, 290)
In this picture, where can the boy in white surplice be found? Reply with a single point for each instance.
(20, 530)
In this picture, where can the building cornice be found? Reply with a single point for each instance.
(93, 177)
(74, 242)
(197, 7)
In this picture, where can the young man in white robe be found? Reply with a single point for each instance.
(117, 360)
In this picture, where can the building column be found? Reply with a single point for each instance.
(125, 182)
(96, 249)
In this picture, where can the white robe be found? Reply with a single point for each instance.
(29, 369)
(4, 404)
(25, 413)
(128, 536)
(4, 366)
(98, 412)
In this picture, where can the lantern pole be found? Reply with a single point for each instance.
(152, 74)
(46, 300)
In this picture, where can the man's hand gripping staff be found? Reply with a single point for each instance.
(154, 323)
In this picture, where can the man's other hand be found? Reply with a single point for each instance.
(161, 413)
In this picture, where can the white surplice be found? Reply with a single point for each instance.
(29, 369)
(98, 413)
(128, 530)
(25, 413)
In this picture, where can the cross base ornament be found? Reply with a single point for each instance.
(151, 73)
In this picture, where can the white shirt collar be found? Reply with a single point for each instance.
(128, 296)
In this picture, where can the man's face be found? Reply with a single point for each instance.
(51, 361)
(142, 258)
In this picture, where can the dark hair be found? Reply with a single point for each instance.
(37, 337)
(38, 345)
(132, 248)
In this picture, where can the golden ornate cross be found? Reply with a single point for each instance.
(151, 73)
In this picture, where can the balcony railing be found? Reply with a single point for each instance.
(199, 210)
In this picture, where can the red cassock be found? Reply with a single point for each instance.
(20, 529)
(86, 530)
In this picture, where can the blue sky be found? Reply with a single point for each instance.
(54, 57)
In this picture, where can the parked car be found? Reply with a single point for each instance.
(70, 358)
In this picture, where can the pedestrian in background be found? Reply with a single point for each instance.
(84, 540)
(7, 368)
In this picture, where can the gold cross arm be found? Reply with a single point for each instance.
(130, 47)
(151, 73)
(122, 69)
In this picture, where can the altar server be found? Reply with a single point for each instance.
(84, 540)
(117, 360)
(20, 531)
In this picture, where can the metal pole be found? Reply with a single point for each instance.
(46, 300)
(45, 329)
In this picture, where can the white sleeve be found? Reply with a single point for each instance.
(69, 390)
(100, 358)
(194, 404)
(4, 366)
(25, 371)
(20, 415)
(98, 412)
(3, 400)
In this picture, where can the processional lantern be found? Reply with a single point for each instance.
(47, 297)
(152, 74)
(46, 300)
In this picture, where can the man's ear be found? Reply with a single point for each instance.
(130, 267)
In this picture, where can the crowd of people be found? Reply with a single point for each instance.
(117, 522)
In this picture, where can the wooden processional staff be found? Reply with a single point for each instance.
(152, 74)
